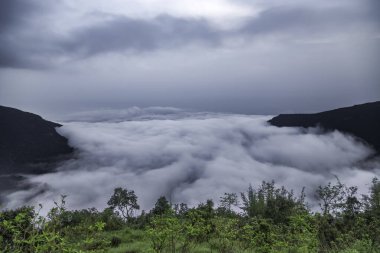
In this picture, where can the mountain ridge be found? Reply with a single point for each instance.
(27, 139)
(362, 121)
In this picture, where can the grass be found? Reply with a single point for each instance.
(132, 241)
(135, 241)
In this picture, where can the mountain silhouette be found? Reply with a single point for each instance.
(26, 140)
(362, 121)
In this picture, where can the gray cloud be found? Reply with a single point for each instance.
(123, 33)
(22, 42)
(374, 10)
(295, 56)
(193, 157)
(165, 32)
(41, 46)
(16, 13)
(299, 19)
(134, 113)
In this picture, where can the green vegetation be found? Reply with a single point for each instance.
(263, 219)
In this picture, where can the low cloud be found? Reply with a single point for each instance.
(191, 157)
(132, 113)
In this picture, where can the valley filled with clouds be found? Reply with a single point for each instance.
(192, 156)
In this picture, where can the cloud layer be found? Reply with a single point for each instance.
(31, 38)
(252, 57)
(190, 157)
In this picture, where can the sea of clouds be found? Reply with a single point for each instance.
(191, 157)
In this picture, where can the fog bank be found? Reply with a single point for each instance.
(192, 156)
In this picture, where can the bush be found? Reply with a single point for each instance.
(115, 241)
(270, 202)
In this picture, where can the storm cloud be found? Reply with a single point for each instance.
(122, 33)
(28, 41)
(251, 57)
(306, 20)
(22, 39)
(193, 156)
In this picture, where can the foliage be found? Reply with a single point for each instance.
(124, 202)
(227, 202)
(273, 220)
(270, 202)
(161, 207)
(372, 212)
(301, 234)
(24, 231)
(115, 241)
(338, 199)
(164, 232)
(225, 234)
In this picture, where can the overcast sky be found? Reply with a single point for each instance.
(244, 56)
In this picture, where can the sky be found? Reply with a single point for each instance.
(60, 57)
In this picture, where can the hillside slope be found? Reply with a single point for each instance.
(26, 138)
(362, 121)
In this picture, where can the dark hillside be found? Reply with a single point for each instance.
(26, 138)
(362, 121)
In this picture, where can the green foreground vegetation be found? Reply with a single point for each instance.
(262, 219)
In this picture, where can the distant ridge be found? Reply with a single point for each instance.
(26, 138)
(363, 121)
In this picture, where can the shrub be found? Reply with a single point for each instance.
(115, 241)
